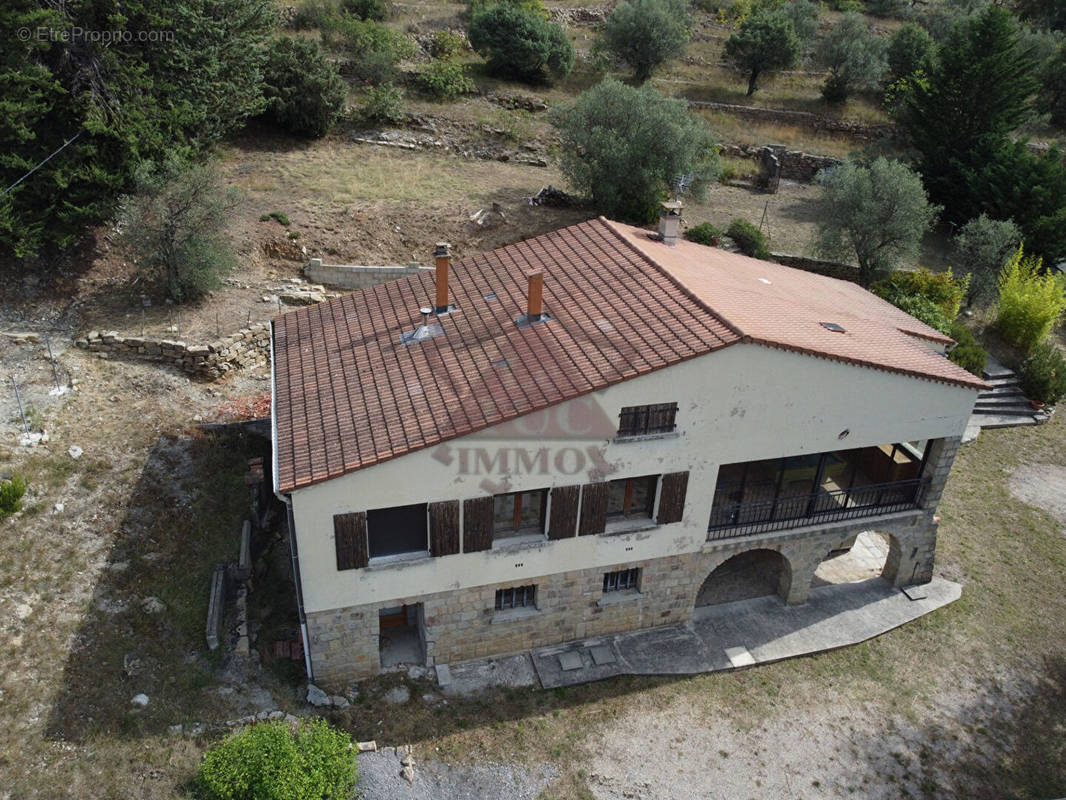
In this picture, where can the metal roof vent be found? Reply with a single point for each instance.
(427, 330)
(834, 327)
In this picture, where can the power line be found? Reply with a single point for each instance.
(61, 147)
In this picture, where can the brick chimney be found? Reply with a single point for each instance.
(535, 297)
(670, 222)
(443, 255)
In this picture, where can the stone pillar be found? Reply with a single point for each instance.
(911, 552)
(937, 468)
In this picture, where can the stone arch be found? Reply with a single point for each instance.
(866, 555)
(746, 575)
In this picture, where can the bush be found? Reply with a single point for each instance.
(374, 48)
(626, 148)
(12, 491)
(444, 80)
(446, 45)
(888, 8)
(855, 58)
(279, 217)
(647, 33)
(377, 10)
(924, 309)
(475, 7)
(982, 247)
(968, 354)
(383, 105)
(1031, 304)
(270, 762)
(313, 14)
(305, 94)
(942, 289)
(174, 226)
(911, 49)
(704, 233)
(521, 44)
(1043, 374)
(751, 241)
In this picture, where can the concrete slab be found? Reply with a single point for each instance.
(720, 637)
(472, 677)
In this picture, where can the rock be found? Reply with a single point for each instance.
(75, 451)
(416, 672)
(57, 508)
(338, 702)
(140, 701)
(275, 714)
(119, 566)
(398, 695)
(23, 610)
(153, 605)
(316, 696)
(431, 699)
(23, 338)
(176, 730)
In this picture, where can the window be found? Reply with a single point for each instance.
(621, 580)
(401, 529)
(631, 498)
(518, 513)
(642, 420)
(516, 597)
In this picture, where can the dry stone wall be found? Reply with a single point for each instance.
(795, 164)
(247, 347)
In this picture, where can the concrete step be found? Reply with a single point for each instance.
(997, 383)
(993, 369)
(1015, 399)
(1003, 421)
(1013, 411)
(1002, 391)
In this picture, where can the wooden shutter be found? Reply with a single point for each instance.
(477, 524)
(593, 508)
(349, 537)
(672, 497)
(444, 528)
(563, 521)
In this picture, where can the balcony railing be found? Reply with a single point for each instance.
(729, 519)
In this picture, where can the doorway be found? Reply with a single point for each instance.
(401, 635)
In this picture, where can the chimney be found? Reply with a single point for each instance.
(443, 254)
(535, 297)
(670, 222)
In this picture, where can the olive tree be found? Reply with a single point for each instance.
(854, 55)
(647, 33)
(875, 214)
(626, 148)
(766, 41)
(981, 248)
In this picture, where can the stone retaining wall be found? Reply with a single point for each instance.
(246, 348)
(817, 122)
(795, 164)
(832, 269)
(357, 277)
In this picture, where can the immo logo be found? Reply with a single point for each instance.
(568, 440)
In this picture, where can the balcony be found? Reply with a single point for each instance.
(762, 496)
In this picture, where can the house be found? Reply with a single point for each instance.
(591, 431)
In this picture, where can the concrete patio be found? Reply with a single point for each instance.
(719, 637)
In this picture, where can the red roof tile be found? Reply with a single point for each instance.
(348, 393)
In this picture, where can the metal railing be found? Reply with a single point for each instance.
(729, 519)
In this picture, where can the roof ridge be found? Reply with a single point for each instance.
(678, 284)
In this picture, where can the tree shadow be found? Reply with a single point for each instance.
(183, 515)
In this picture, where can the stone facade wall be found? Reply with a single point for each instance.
(356, 277)
(571, 605)
(795, 164)
(246, 348)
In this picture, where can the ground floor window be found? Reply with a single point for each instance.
(621, 580)
(631, 497)
(516, 597)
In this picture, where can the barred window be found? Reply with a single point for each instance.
(515, 597)
(621, 580)
(641, 420)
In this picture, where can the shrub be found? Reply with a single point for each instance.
(444, 80)
(911, 49)
(305, 94)
(855, 58)
(175, 223)
(521, 44)
(1043, 374)
(1031, 304)
(751, 241)
(888, 8)
(279, 217)
(968, 354)
(377, 10)
(704, 233)
(647, 33)
(942, 289)
(313, 14)
(12, 491)
(924, 309)
(626, 148)
(982, 247)
(383, 105)
(270, 762)
(374, 48)
(446, 45)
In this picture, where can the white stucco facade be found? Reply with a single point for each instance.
(743, 403)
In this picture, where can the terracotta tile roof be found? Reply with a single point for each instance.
(783, 307)
(349, 394)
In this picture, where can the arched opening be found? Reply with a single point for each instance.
(754, 573)
(864, 558)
